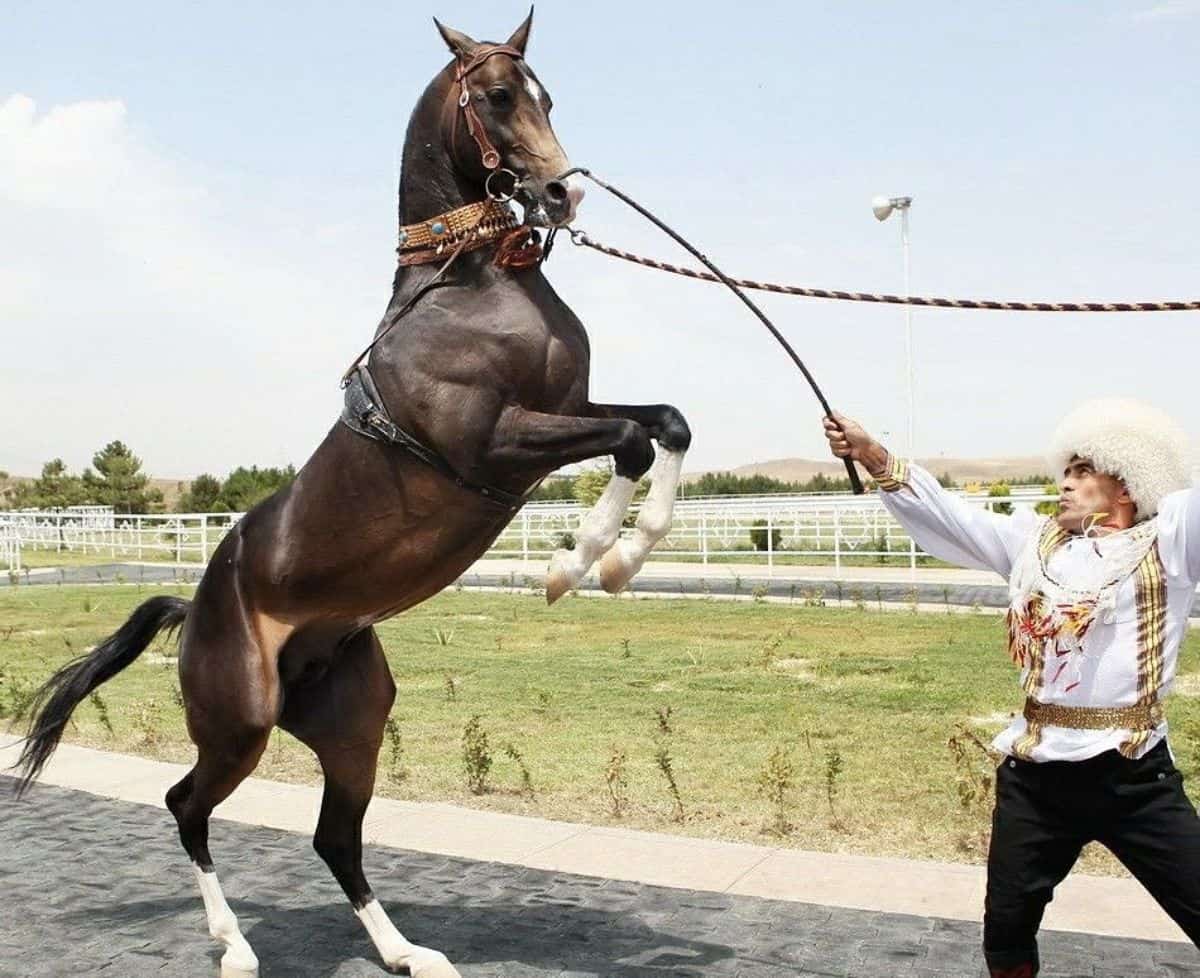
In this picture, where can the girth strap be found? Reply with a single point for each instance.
(364, 413)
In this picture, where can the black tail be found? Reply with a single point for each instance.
(57, 698)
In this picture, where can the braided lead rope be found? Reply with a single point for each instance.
(581, 238)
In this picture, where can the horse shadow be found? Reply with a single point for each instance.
(500, 938)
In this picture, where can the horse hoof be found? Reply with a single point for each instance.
(617, 568)
(559, 578)
(613, 571)
(424, 962)
(557, 584)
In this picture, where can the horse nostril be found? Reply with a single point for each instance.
(556, 192)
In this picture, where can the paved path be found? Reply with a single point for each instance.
(98, 885)
(890, 585)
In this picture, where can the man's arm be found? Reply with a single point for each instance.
(940, 522)
(1179, 534)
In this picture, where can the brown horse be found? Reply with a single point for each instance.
(479, 392)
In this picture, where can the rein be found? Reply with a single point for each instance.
(719, 276)
(936, 302)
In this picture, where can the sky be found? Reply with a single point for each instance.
(197, 213)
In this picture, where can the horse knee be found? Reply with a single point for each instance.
(634, 453)
(675, 434)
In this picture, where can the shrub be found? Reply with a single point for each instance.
(758, 536)
(998, 490)
(1050, 506)
(776, 781)
(477, 756)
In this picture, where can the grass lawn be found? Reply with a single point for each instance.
(35, 558)
(859, 705)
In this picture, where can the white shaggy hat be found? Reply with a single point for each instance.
(1135, 442)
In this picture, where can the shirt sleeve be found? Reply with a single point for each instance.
(946, 527)
(1179, 534)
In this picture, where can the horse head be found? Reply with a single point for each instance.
(496, 127)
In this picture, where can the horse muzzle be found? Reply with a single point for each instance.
(553, 203)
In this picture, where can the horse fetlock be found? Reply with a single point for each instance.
(655, 522)
(224, 927)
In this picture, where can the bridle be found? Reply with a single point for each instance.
(488, 154)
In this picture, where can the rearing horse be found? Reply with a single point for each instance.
(478, 393)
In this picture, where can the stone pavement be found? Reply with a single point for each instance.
(94, 885)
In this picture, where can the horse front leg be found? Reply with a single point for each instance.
(666, 426)
(526, 439)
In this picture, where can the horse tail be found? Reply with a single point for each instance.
(57, 698)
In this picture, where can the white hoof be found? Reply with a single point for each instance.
(566, 570)
(619, 565)
(235, 966)
(424, 962)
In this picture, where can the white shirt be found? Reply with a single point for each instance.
(1106, 672)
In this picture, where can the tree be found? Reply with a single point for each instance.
(119, 481)
(55, 488)
(590, 484)
(247, 487)
(556, 487)
(202, 496)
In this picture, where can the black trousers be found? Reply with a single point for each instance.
(1046, 813)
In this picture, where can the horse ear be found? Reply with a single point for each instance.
(520, 37)
(461, 46)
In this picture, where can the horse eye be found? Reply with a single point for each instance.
(499, 97)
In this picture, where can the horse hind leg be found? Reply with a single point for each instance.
(341, 717)
(626, 557)
(596, 534)
(191, 801)
(232, 704)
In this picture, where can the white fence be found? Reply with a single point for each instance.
(828, 528)
(10, 548)
(178, 538)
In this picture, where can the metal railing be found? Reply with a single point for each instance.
(836, 530)
(10, 548)
(176, 538)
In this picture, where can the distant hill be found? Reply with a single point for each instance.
(960, 469)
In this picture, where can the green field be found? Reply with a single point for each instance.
(859, 704)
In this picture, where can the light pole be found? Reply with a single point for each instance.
(882, 208)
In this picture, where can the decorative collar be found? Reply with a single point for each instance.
(484, 222)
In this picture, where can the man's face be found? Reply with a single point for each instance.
(1088, 497)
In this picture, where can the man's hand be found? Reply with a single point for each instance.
(848, 439)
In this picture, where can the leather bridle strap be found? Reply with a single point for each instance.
(487, 152)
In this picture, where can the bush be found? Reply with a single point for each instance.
(758, 536)
(997, 490)
(1050, 507)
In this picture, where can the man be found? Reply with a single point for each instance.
(1100, 597)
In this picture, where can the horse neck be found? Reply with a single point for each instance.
(430, 184)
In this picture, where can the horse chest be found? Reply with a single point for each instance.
(566, 379)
